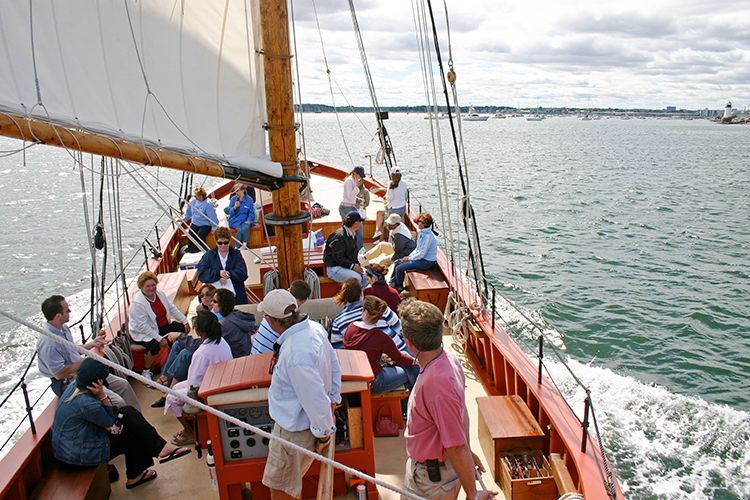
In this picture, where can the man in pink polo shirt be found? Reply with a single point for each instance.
(437, 431)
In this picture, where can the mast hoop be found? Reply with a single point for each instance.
(295, 220)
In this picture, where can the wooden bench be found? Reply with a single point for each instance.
(388, 404)
(428, 286)
(560, 471)
(60, 483)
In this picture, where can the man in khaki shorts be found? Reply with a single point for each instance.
(437, 431)
(305, 386)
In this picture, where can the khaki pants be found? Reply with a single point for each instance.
(417, 481)
(284, 466)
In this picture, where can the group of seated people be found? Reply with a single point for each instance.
(103, 408)
(341, 253)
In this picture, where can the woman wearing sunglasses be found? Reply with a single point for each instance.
(224, 267)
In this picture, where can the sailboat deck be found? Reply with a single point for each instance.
(188, 476)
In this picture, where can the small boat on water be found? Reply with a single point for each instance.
(473, 116)
(500, 116)
(535, 118)
(529, 436)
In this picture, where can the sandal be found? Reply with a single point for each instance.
(163, 380)
(145, 477)
(180, 439)
(176, 453)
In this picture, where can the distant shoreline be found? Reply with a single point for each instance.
(323, 108)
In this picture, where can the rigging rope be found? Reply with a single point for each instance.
(208, 409)
(385, 144)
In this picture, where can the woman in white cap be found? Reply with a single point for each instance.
(399, 237)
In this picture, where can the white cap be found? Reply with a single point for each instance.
(395, 170)
(393, 219)
(276, 303)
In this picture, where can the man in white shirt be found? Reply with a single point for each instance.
(305, 387)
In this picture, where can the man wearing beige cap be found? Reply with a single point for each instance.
(399, 237)
(305, 386)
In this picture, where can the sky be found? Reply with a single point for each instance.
(692, 54)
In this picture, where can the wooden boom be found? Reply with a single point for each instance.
(29, 129)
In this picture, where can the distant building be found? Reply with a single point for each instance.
(670, 109)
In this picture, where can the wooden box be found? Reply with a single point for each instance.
(505, 423)
(428, 286)
(536, 482)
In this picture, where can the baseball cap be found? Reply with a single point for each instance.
(276, 304)
(352, 217)
(89, 371)
(393, 219)
(396, 170)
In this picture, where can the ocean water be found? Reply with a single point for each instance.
(627, 240)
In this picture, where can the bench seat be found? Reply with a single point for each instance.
(388, 404)
(60, 483)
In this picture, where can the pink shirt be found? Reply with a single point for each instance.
(436, 410)
(350, 192)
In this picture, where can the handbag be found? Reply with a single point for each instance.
(385, 426)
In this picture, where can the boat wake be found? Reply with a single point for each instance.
(664, 445)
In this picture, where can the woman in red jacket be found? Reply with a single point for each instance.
(366, 336)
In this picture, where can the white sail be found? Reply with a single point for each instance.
(184, 75)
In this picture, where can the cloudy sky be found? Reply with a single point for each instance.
(635, 53)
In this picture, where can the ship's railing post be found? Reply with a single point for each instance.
(83, 335)
(158, 240)
(541, 355)
(28, 406)
(145, 253)
(493, 308)
(585, 424)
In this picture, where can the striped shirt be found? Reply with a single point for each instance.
(389, 323)
(349, 314)
(264, 338)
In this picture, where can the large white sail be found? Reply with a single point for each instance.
(184, 75)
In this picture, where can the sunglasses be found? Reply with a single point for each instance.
(275, 357)
(222, 243)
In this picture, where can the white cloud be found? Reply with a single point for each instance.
(688, 53)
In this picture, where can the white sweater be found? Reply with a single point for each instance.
(143, 325)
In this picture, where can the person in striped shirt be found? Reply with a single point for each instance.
(265, 337)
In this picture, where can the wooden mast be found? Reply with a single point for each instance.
(281, 135)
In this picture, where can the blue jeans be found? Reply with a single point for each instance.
(178, 362)
(389, 378)
(397, 281)
(341, 274)
(243, 235)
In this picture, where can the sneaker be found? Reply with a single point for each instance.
(159, 403)
(377, 235)
(147, 373)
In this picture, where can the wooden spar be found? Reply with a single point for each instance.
(281, 135)
(32, 130)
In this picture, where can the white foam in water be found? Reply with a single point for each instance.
(664, 445)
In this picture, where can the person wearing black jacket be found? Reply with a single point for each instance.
(340, 254)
